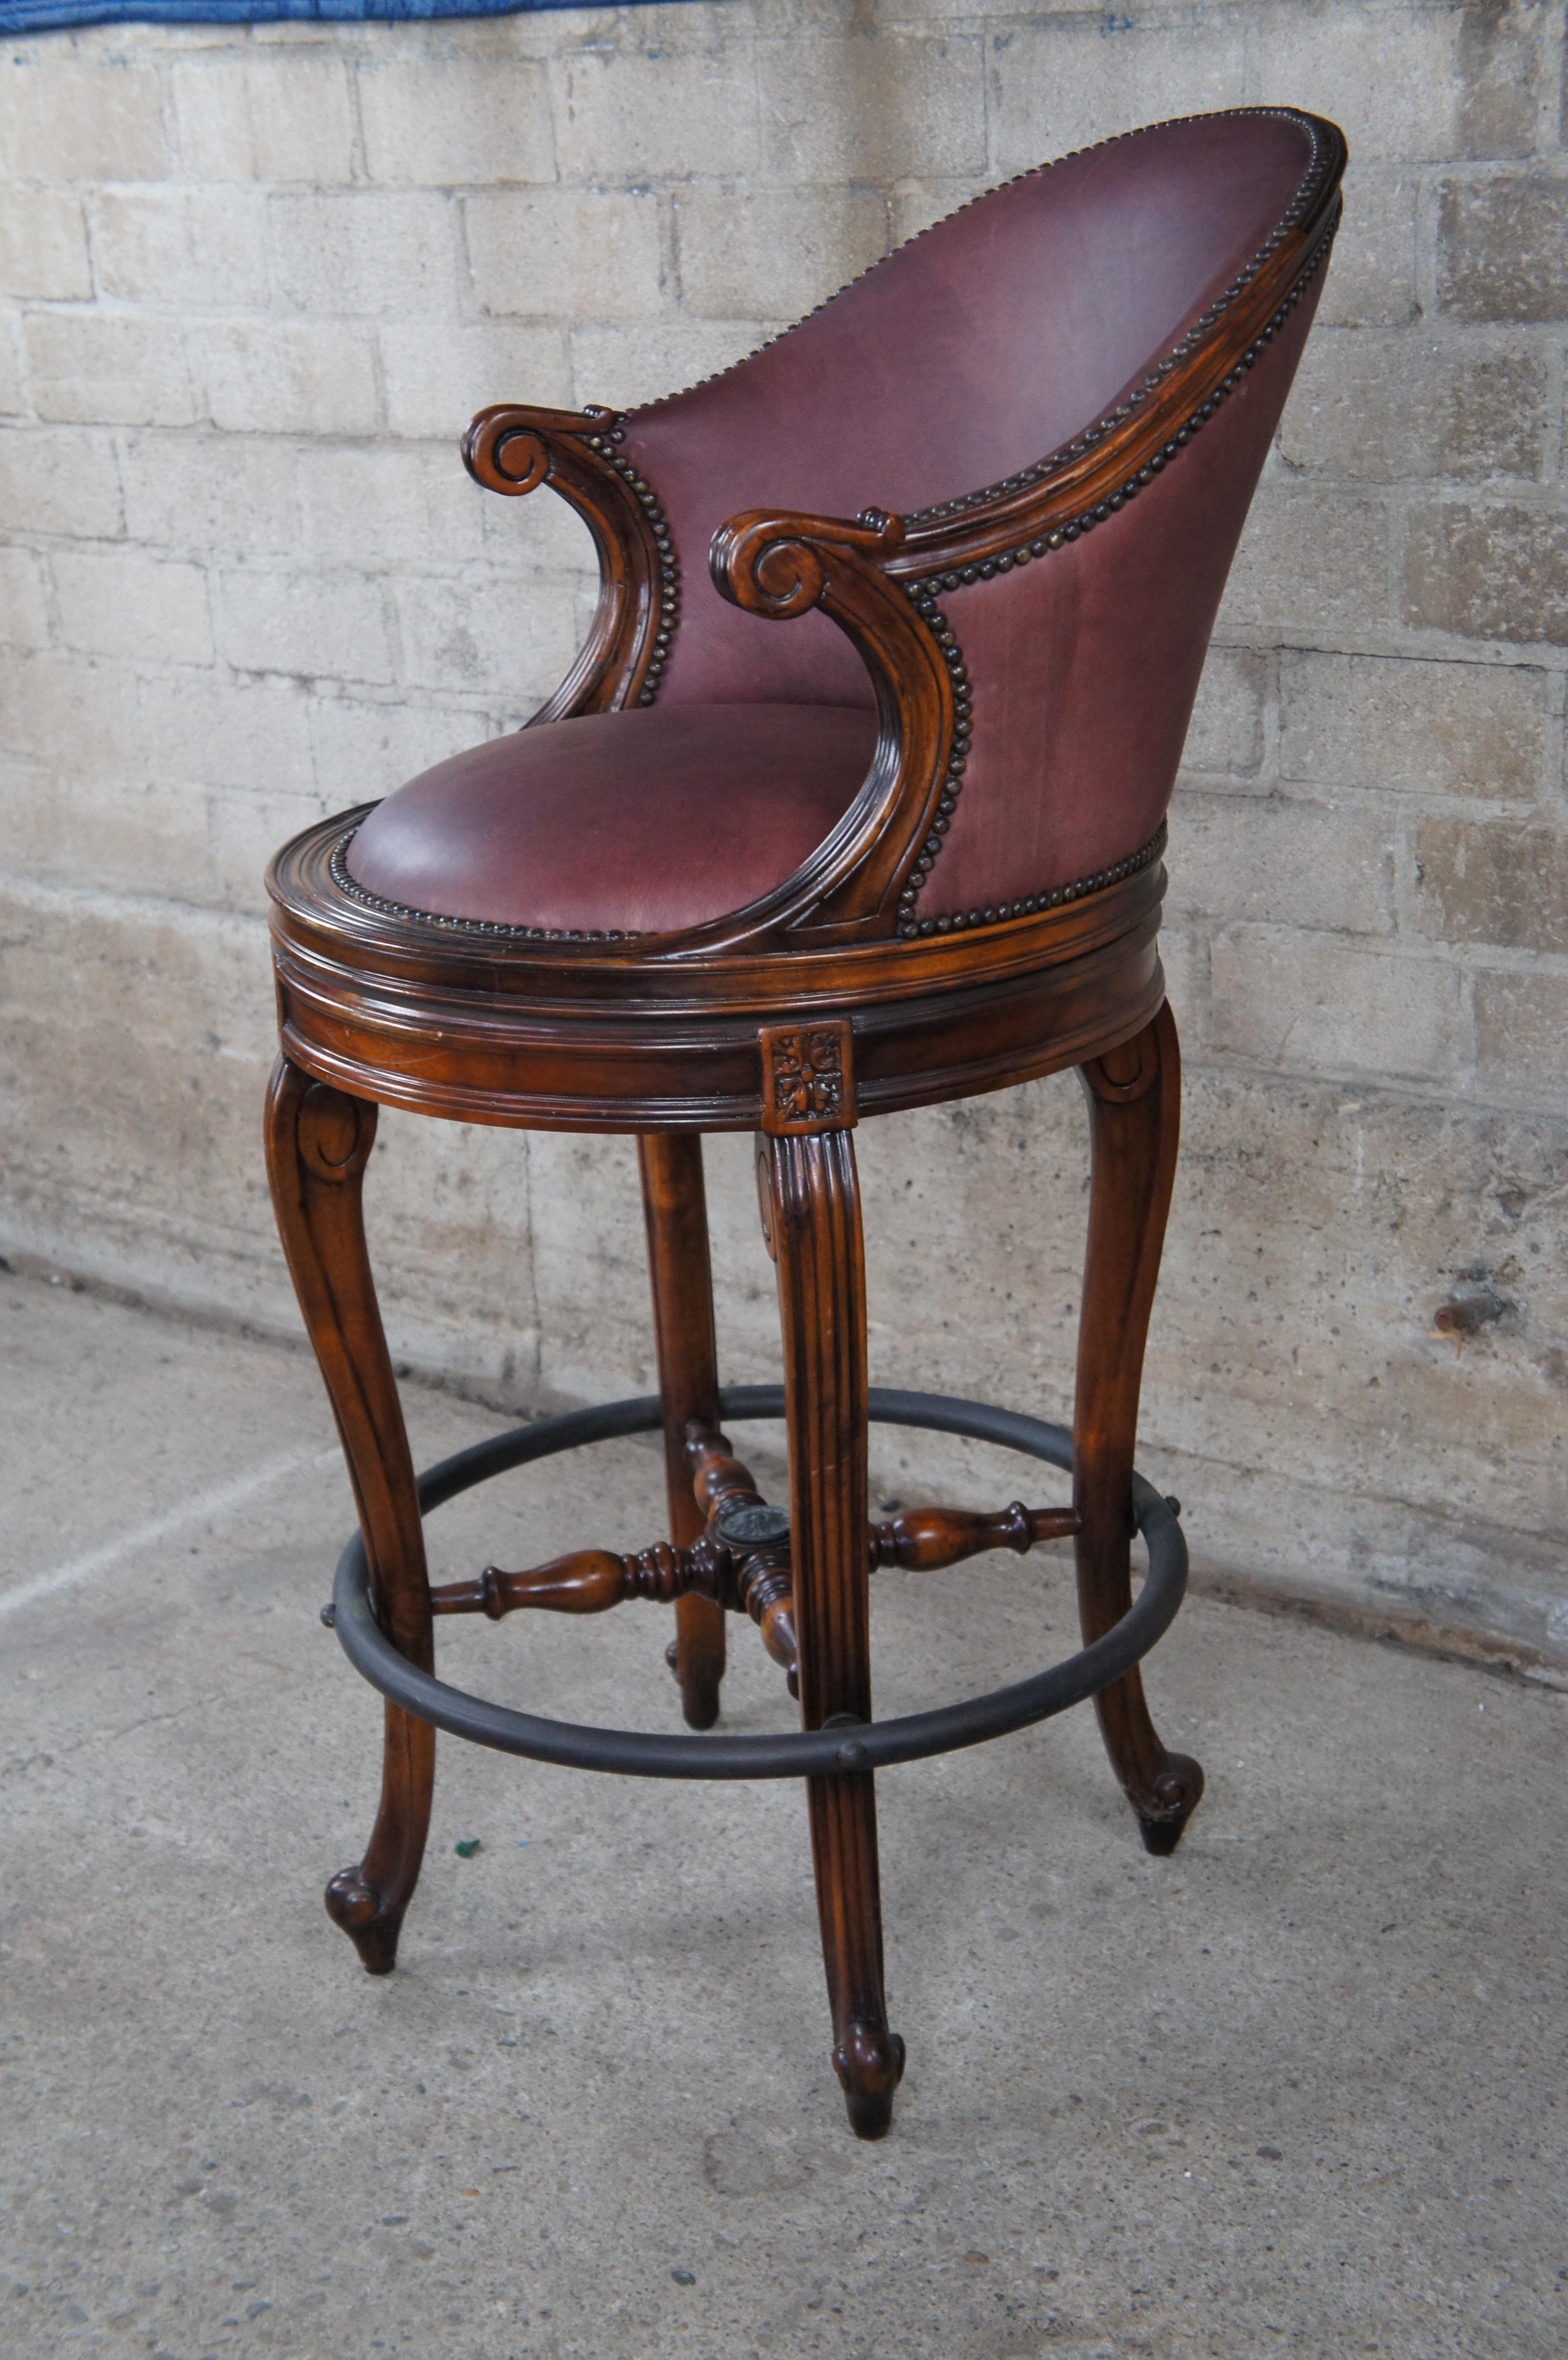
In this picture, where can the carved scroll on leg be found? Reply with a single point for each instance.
(1133, 1108)
(815, 1235)
(675, 1208)
(318, 1142)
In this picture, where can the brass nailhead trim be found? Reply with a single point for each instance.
(994, 913)
(1060, 536)
(493, 927)
(1307, 189)
(669, 563)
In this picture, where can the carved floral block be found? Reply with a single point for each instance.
(808, 1078)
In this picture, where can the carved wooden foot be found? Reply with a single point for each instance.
(812, 1215)
(1134, 1111)
(318, 1143)
(676, 1212)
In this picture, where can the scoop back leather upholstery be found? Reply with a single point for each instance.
(1015, 332)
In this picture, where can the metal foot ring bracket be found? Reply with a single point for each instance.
(790, 1753)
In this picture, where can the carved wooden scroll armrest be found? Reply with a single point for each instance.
(782, 566)
(512, 449)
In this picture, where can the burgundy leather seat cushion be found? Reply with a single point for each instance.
(619, 822)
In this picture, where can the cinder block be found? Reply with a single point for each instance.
(302, 623)
(1371, 282)
(1412, 729)
(66, 118)
(1225, 735)
(628, 365)
(1492, 571)
(1407, 84)
(487, 639)
(250, 735)
(1502, 248)
(108, 827)
(455, 121)
(633, 114)
(212, 496)
(181, 249)
(437, 376)
(24, 619)
(364, 750)
(1067, 81)
(61, 705)
(43, 245)
(1387, 407)
(1282, 861)
(1522, 1038)
(1321, 1003)
(565, 253)
(120, 602)
(869, 107)
(13, 399)
(58, 480)
(366, 251)
(158, 1020)
(286, 377)
(1492, 880)
(387, 504)
(541, 536)
(243, 832)
(1311, 563)
(770, 252)
(287, 116)
(108, 368)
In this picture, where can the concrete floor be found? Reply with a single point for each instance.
(1297, 2091)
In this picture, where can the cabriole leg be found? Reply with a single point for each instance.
(812, 1205)
(318, 1142)
(675, 1208)
(1133, 1096)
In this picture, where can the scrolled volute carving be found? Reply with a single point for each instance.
(512, 448)
(777, 565)
(507, 448)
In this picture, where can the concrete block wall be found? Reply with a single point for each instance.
(252, 284)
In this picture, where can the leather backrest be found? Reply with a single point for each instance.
(966, 357)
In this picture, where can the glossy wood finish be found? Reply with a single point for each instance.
(816, 1005)
(675, 1214)
(622, 1036)
(513, 450)
(816, 1236)
(318, 1143)
(1134, 1096)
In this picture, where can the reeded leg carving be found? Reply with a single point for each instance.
(811, 1211)
(676, 1210)
(318, 1142)
(1134, 1116)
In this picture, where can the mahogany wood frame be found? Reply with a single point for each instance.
(816, 1006)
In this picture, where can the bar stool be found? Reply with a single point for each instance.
(784, 880)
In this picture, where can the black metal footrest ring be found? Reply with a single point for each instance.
(790, 1753)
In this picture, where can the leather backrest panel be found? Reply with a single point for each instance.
(968, 354)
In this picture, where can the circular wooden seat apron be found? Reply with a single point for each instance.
(785, 880)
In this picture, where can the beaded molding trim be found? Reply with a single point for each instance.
(499, 929)
(951, 653)
(1045, 545)
(1307, 189)
(605, 443)
(494, 927)
(994, 913)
